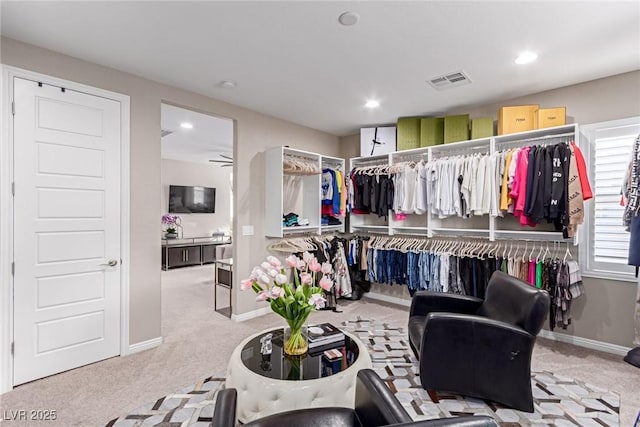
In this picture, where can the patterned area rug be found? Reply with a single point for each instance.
(558, 400)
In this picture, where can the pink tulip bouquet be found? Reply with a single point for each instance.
(292, 299)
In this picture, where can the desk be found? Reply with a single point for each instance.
(223, 276)
(266, 386)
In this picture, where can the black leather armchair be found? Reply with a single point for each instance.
(375, 405)
(479, 348)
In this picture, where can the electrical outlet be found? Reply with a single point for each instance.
(247, 230)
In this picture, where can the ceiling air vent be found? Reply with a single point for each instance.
(164, 133)
(449, 80)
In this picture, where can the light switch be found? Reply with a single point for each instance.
(247, 230)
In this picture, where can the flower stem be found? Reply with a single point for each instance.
(296, 343)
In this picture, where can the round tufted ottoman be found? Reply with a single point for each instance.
(263, 389)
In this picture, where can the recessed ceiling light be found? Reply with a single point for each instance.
(186, 125)
(228, 84)
(372, 103)
(526, 57)
(348, 18)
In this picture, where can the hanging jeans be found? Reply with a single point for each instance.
(423, 265)
(413, 271)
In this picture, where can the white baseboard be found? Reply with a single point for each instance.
(251, 314)
(569, 339)
(387, 298)
(585, 342)
(144, 345)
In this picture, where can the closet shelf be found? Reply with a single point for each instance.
(418, 231)
(493, 228)
(295, 192)
(327, 228)
(476, 232)
(529, 235)
(299, 229)
(380, 229)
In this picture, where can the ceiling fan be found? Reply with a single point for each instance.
(226, 161)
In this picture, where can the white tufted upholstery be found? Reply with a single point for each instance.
(259, 396)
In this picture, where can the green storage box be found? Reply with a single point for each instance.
(482, 128)
(431, 131)
(408, 135)
(456, 128)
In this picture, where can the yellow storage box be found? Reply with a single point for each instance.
(550, 117)
(518, 118)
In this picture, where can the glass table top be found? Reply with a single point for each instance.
(319, 362)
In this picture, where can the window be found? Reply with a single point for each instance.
(604, 243)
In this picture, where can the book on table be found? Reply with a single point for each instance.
(323, 334)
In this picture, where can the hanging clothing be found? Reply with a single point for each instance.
(574, 195)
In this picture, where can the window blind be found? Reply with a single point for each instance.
(610, 240)
(604, 243)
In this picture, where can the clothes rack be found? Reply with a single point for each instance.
(465, 265)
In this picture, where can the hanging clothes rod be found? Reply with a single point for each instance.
(383, 234)
(539, 138)
(332, 163)
(371, 162)
(299, 156)
(298, 233)
(409, 156)
(461, 152)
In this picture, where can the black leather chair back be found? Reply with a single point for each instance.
(509, 299)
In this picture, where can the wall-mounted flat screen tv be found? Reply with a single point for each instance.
(187, 199)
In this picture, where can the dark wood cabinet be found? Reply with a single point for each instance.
(188, 252)
(208, 254)
(177, 257)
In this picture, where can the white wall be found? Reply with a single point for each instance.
(177, 172)
(254, 132)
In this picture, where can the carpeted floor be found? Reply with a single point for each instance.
(558, 401)
(198, 343)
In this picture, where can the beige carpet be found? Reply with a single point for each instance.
(198, 343)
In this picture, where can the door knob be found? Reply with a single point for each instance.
(110, 263)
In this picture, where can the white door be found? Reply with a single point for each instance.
(66, 228)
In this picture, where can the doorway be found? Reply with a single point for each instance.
(65, 233)
(197, 216)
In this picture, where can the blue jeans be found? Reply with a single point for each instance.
(434, 284)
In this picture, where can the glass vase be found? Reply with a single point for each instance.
(295, 341)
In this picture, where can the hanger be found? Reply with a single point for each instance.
(539, 253)
(546, 252)
(533, 247)
(567, 252)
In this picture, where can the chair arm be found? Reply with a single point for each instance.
(482, 325)
(471, 421)
(224, 412)
(425, 302)
(466, 338)
(375, 404)
(476, 356)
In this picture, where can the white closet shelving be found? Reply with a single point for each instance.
(369, 222)
(295, 193)
(334, 163)
(492, 228)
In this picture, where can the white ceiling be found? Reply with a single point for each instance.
(294, 61)
(209, 137)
